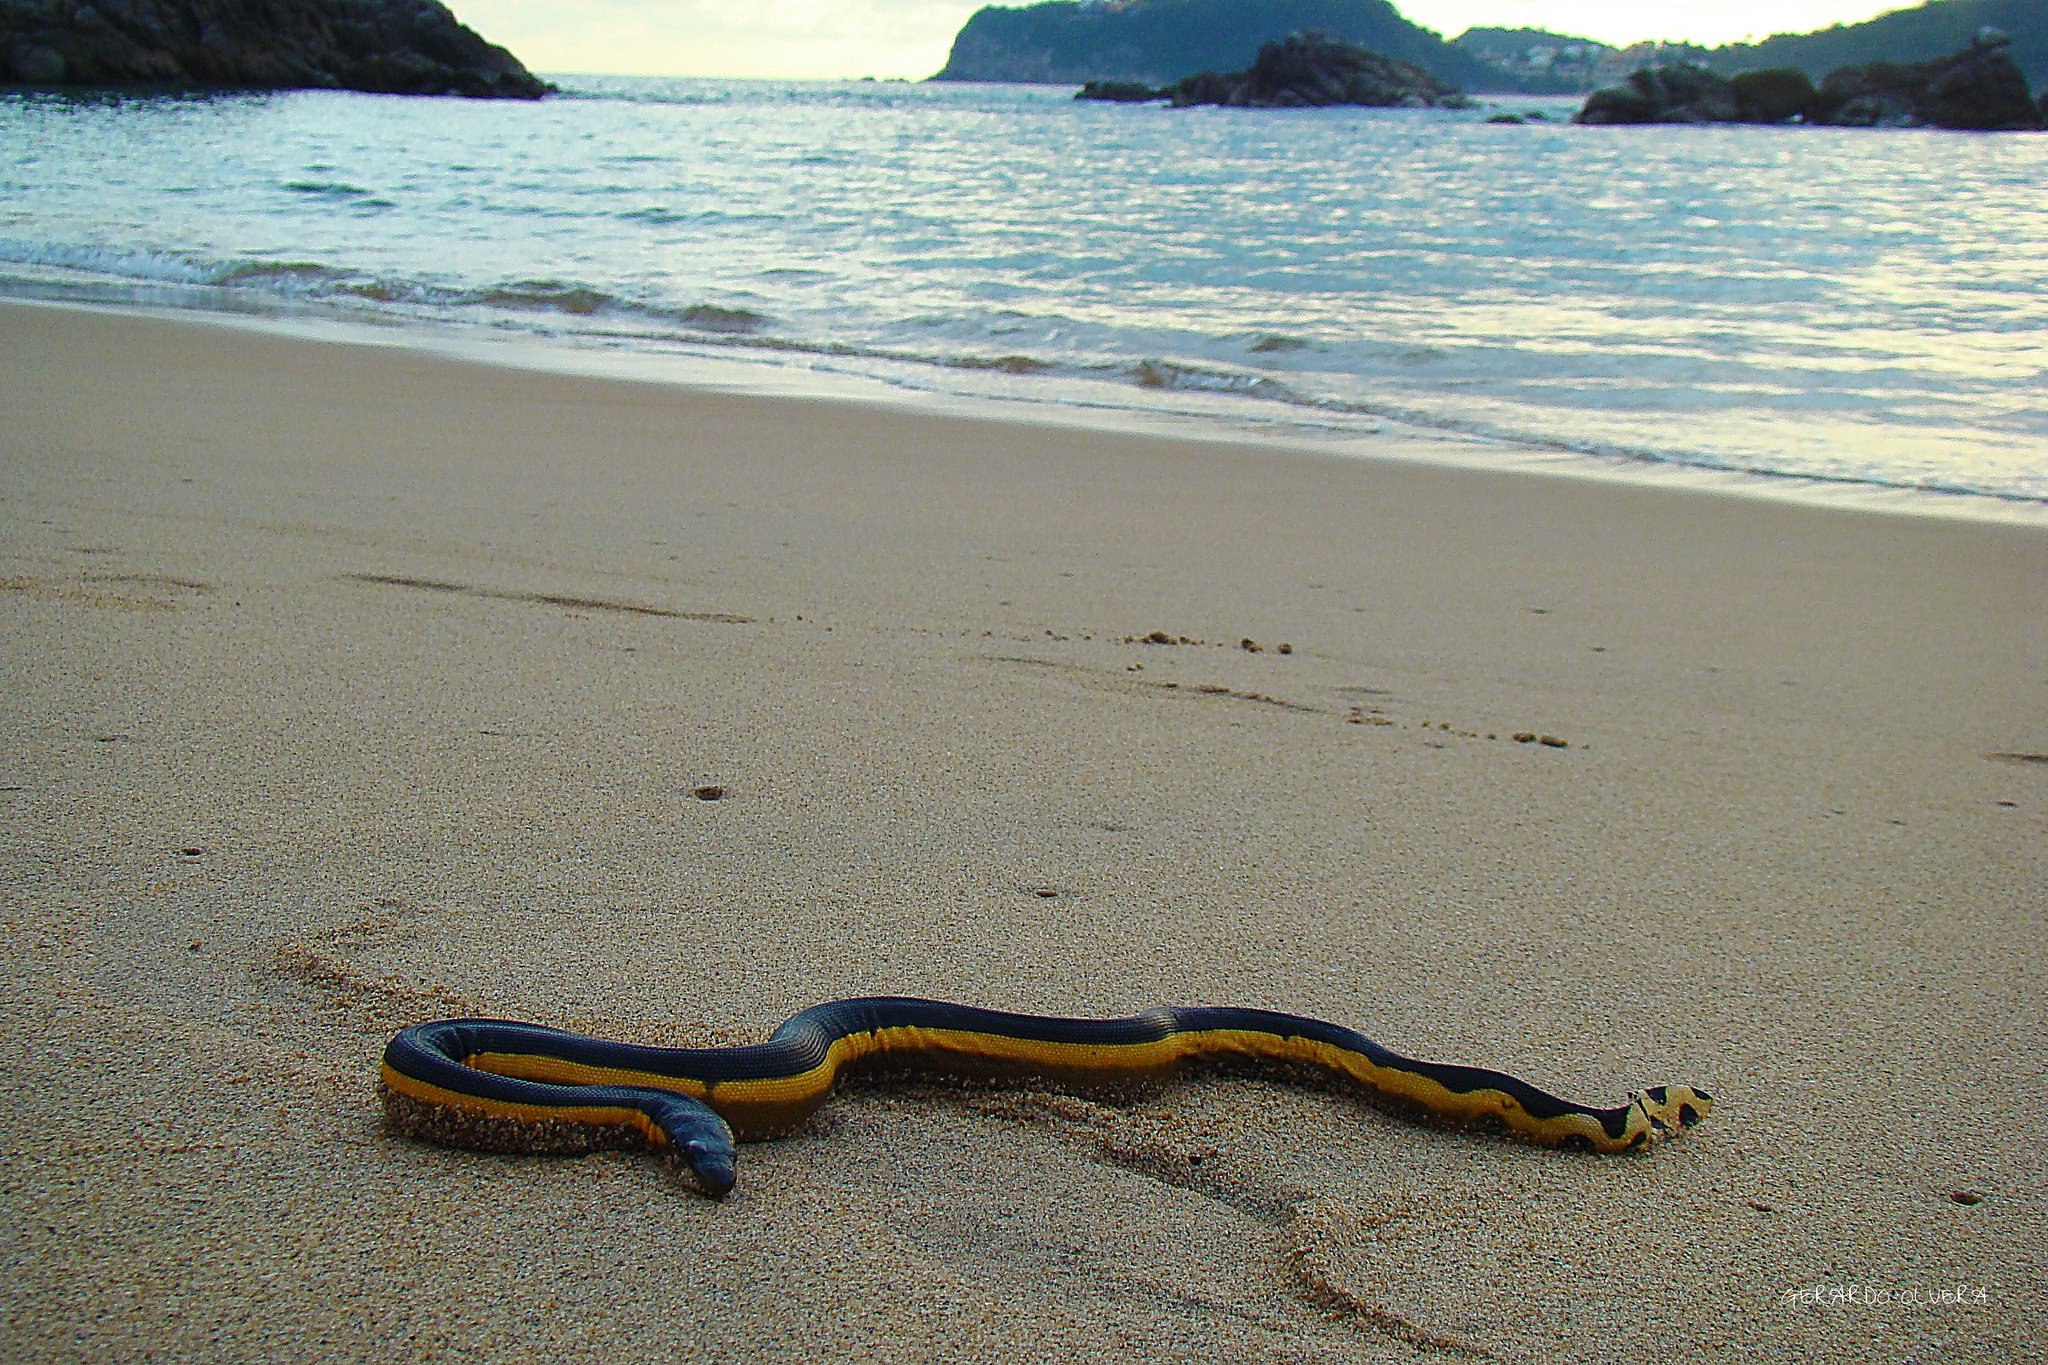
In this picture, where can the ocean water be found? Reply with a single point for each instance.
(1815, 308)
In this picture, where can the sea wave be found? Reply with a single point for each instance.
(127, 275)
(339, 192)
(141, 264)
(548, 296)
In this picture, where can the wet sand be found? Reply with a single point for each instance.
(345, 686)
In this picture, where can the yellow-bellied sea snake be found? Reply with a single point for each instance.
(498, 1086)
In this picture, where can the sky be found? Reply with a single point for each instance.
(827, 39)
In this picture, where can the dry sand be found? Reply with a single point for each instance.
(345, 686)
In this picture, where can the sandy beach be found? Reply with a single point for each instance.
(346, 686)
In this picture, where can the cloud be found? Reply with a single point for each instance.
(1702, 21)
(790, 39)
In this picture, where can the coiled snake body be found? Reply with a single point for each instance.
(500, 1086)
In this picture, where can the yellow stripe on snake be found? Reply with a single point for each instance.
(495, 1085)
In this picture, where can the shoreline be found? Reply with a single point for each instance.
(349, 687)
(764, 374)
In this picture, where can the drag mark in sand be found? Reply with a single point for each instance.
(1118, 681)
(146, 592)
(2017, 758)
(1024, 661)
(1217, 690)
(1311, 1230)
(152, 580)
(546, 599)
(383, 1002)
(1355, 713)
(1371, 712)
(1129, 1140)
(1317, 1231)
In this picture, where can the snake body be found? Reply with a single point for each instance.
(495, 1085)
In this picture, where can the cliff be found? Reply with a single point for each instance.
(1536, 60)
(407, 47)
(1157, 42)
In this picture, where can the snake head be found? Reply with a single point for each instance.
(1671, 1109)
(697, 1138)
(714, 1168)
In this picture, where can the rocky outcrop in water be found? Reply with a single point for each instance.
(1303, 71)
(1663, 94)
(1777, 94)
(402, 47)
(1121, 92)
(1979, 89)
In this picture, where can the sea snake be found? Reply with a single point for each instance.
(493, 1085)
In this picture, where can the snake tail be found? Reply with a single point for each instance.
(497, 1085)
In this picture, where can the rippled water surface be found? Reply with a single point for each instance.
(1825, 304)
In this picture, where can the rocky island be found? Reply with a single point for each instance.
(399, 47)
(1979, 89)
(1301, 71)
(1159, 42)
